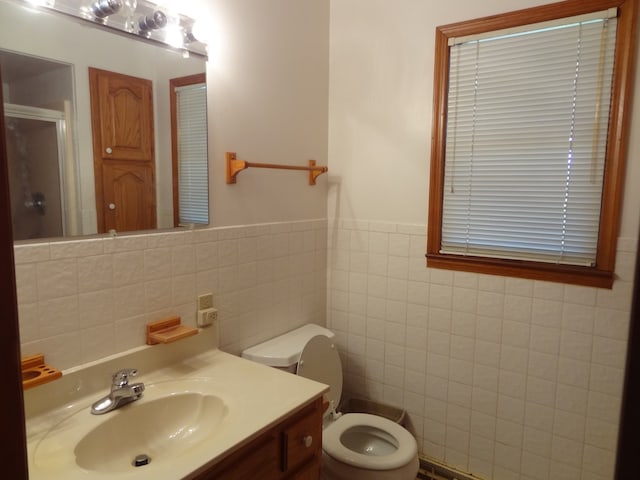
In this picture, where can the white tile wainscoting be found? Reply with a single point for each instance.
(502, 377)
(80, 300)
(505, 378)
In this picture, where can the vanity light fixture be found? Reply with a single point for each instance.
(142, 18)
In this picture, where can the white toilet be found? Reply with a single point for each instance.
(355, 446)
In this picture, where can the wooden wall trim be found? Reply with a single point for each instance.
(627, 455)
(13, 454)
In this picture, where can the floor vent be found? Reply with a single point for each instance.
(432, 470)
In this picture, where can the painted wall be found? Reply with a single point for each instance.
(506, 378)
(268, 76)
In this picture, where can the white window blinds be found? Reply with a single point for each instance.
(193, 178)
(526, 140)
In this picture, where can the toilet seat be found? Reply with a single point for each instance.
(320, 361)
(406, 448)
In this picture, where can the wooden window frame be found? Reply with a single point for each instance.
(602, 274)
(175, 83)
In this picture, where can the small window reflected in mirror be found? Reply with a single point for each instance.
(189, 150)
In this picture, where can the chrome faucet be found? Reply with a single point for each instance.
(121, 392)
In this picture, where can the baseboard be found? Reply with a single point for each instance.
(433, 470)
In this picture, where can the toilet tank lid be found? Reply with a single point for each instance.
(284, 350)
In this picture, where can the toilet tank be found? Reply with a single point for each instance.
(284, 350)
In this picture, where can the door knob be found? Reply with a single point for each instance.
(108, 150)
(112, 206)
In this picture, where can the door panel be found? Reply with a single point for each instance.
(129, 198)
(123, 153)
(126, 110)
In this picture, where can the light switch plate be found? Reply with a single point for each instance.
(205, 301)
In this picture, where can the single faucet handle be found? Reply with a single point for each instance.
(121, 377)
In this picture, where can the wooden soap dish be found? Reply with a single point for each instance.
(168, 330)
(36, 372)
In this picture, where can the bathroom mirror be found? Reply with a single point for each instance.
(61, 170)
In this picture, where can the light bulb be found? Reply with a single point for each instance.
(152, 22)
(104, 8)
(174, 36)
(201, 30)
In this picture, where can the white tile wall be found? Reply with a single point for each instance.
(505, 378)
(81, 300)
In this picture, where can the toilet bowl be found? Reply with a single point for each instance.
(363, 446)
(354, 445)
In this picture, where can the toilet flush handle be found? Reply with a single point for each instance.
(307, 440)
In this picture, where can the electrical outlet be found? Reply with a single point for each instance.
(207, 316)
(205, 301)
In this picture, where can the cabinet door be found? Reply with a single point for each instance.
(291, 450)
(302, 440)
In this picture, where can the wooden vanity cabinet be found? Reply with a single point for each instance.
(291, 450)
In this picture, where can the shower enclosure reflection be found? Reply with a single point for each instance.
(36, 161)
(38, 111)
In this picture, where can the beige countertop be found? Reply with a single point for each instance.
(255, 397)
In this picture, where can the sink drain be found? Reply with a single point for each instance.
(141, 460)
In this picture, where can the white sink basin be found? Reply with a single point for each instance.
(171, 419)
(161, 430)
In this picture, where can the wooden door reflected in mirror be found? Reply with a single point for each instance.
(123, 139)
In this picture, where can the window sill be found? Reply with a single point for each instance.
(575, 275)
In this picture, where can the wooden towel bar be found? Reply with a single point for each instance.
(235, 166)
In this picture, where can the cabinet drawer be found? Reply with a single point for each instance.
(301, 440)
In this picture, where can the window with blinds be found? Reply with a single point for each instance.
(193, 177)
(526, 140)
(530, 134)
